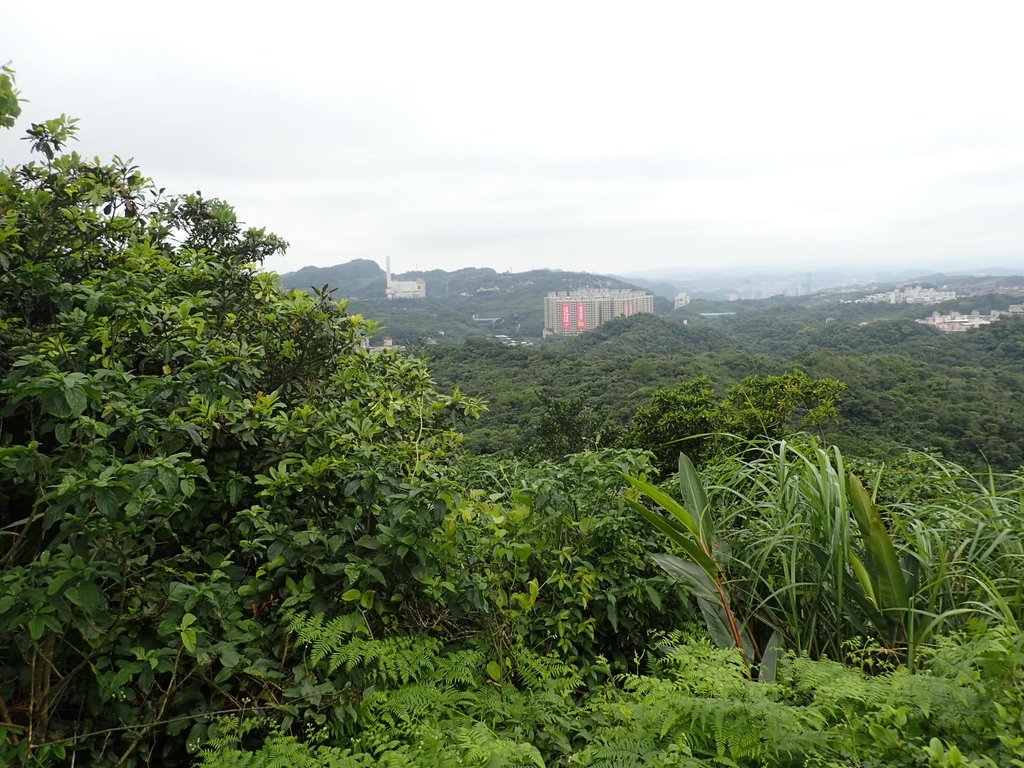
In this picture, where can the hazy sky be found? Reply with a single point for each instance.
(612, 137)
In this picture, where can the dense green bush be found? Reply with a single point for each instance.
(551, 556)
(184, 450)
(690, 418)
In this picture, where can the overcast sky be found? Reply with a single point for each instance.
(611, 137)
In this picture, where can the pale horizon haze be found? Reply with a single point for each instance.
(606, 137)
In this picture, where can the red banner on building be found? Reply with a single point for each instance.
(581, 316)
(566, 324)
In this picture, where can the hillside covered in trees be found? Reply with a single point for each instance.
(906, 385)
(232, 536)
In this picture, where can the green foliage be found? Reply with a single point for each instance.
(814, 557)
(689, 418)
(685, 418)
(775, 406)
(551, 557)
(10, 101)
(907, 385)
(799, 551)
(691, 529)
(184, 449)
(699, 704)
(570, 425)
(695, 707)
(409, 696)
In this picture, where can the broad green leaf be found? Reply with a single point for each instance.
(108, 500)
(890, 582)
(229, 655)
(863, 578)
(76, 400)
(694, 578)
(695, 499)
(768, 669)
(58, 582)
(494, 671)
(713, 601)
(677, 536)
(37, 625)
(88, 596)
(717, 621)
(664, 501)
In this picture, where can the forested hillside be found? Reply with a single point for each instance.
(907, 385)
(231, 536)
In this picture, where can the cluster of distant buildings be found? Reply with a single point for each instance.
(957, 322)
(569, 313)
(909, 295)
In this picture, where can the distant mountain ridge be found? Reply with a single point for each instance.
(360, 279)
(719, 284)
(364, 279)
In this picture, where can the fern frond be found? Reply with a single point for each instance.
(547, 672)
(460, 668)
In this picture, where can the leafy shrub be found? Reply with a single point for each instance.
(184, 449)
(551, 556)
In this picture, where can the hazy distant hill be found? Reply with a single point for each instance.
(357, 279)
(719, 284)
(462, 303)
(364, 279)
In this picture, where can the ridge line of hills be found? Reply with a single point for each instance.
(480, 301)
(364, 279)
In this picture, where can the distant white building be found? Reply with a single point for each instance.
(682, 299)
(404, 289)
